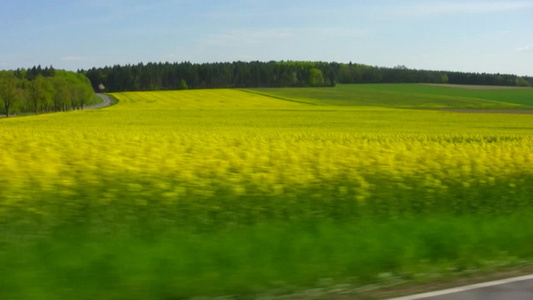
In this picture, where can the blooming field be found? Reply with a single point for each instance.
(203, 164)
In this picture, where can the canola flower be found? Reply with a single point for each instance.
(226, 156)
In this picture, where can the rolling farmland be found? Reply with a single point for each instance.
(174, 194)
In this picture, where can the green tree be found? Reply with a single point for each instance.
(183, 85)
(86, 92)
(61, 96)
(444, 79)
(80, 90)
(345, 76)
(316, 78)
(9, 92)
(521, 82)
(41, 94)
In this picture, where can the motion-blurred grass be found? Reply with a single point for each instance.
(263, 258)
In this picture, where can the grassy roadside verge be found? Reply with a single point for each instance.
(265, 259)
(97, 100)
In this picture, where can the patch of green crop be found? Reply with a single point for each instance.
(407, 96)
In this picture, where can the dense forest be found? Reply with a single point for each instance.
(171, 76)
(39, 90)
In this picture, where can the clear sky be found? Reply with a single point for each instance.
(494, 36)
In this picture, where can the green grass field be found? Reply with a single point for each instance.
(177, 194)
(416, 96)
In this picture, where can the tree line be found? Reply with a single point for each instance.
(41, 90)
(171, 76)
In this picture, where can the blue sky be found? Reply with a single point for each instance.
(478, 36)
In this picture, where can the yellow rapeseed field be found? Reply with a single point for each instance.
(207, 150)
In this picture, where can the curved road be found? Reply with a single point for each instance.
(107, 101)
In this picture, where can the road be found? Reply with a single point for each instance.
(107, 102)
(517, 288)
